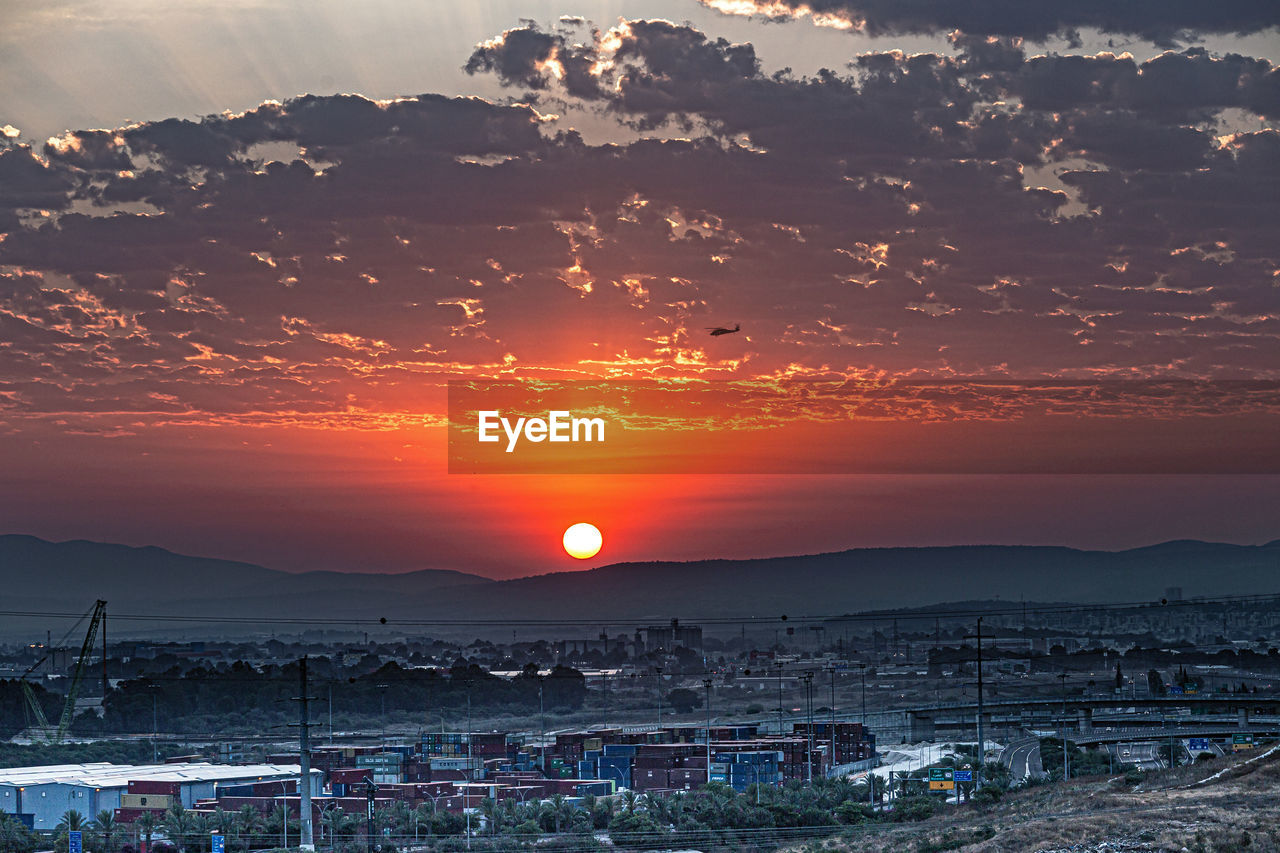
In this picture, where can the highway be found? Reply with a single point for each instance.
(1146, 754)
(1022, 757)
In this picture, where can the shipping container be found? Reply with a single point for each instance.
(149, 786)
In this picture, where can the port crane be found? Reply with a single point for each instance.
(97, 616)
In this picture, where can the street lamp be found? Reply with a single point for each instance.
(622, 782)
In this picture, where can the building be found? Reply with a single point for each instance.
(40, 796)
(668, 638)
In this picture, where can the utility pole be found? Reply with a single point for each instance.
(982, 743)
(808, 691)
(470, 774)
(104, 654)
(706, 682)
(779, 665)
(833, 714)
(658, 669)
(542, 715)
(871, 778)
(370, 790)
(1066, 766)
(307, 841)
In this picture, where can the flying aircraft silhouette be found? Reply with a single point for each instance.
(717, 331)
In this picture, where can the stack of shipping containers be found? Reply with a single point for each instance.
(741, 769)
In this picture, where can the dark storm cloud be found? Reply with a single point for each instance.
(1159, 21)
(334, 258)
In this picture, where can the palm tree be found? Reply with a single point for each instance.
(72, 821)
(176, 823)
(145, 825)
(277, 824)
(426, 813)
(561, 811)
(223, 822)
(105, 824)
(249, 821)
(199, 833)
(336, 823)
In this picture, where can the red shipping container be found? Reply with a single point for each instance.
(149, 786)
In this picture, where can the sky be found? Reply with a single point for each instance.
(244, 246)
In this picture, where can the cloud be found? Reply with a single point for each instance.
(335, 259)
(1159, 21)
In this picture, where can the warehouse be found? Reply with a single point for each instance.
(40, 796)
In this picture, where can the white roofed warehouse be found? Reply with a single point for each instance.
(40, 796)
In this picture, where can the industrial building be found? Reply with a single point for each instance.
(40, 796)
(668, 638)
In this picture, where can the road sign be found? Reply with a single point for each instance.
(1199, 744)
(1241, 741)
(940, 779)
(962, 776)
(1175, 689)
(75, 841)
(219, 843)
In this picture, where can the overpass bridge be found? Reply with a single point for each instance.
(1022, 754)
(921, 723)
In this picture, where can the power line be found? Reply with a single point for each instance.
(1015, 609)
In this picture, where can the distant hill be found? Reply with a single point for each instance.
(69, 576)
(880, 578)
(45, 576)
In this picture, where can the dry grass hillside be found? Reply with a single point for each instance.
(1227, 804)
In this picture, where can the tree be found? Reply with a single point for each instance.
(146, 825)
(1155, 683)
(684, 700)
(339, 827)
(108, 829)
(556, 812)
(248, 825)
(71, 821)
(15, 837)
(176, 824)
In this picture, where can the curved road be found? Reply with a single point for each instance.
(1022, 757)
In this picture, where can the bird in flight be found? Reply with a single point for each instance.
(717, 331)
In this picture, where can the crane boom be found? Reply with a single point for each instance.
(69, 709)
(33, 702)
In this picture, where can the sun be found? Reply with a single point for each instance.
(582, 540)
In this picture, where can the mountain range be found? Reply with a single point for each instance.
(41, 577)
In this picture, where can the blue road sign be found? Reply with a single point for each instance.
(1198, 743)
(219, 843)
(1175, 689)
(963, 776)
(75, 841)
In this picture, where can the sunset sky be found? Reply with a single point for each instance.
(245, 245)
